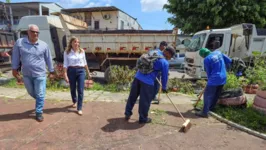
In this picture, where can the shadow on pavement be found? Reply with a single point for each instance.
(121, 124)
(30, 114)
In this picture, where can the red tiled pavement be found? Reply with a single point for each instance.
(102, 127)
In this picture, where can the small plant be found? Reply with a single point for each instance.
(122, 76)
(256, 73)
(201, 83)
(186, 87)
(183, 86)
(174, 83)
(232, 82)
(262, 86)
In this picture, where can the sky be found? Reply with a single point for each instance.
(149, 13)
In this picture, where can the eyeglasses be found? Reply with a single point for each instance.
(37, 32)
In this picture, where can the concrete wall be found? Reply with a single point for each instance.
(52, 7)
(110, 23)
(129, 22)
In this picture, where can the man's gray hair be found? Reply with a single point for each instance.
(32, 25)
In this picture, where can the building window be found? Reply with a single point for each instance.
(96, 25)
(122, 25)
(88, 18)
(16, 20)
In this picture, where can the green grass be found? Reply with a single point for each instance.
(12, 84)
(105, 87)
(157, 116)
(248, 117)
(54, 86)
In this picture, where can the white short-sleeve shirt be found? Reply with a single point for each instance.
(74, 59)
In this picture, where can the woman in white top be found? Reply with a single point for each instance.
(75, 65)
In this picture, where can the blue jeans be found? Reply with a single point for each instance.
(36, 87)
(76, 78)
(211, 96)
(145, 92)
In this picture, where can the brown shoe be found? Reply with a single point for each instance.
(74, 105)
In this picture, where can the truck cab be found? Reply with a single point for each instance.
(240, 41)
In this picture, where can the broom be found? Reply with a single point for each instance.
(159, 95)
(187, 124)
(199, 98)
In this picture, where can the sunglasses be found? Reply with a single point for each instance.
(37, 32)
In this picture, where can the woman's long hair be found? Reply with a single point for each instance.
(69, 45)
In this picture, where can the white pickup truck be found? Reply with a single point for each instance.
(243, 41)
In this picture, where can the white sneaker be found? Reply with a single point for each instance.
(80, 112)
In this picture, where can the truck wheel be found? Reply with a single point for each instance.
(107, 74)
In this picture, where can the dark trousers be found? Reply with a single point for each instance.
(145, 92)
(76, 78)
(211, 96)
(156, 89)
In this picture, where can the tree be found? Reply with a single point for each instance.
(194, 15)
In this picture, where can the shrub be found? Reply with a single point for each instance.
(121, 76)
(256, 73)
(201, 83)
(232, 82)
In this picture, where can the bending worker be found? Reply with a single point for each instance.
(215, 66)
(143, 86)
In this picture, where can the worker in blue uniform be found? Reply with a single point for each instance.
(215, 66)
(143, 86)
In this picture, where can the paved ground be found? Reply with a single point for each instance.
(102, 126)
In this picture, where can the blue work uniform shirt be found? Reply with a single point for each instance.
(160, 65)
(215, 66)
(33, 57)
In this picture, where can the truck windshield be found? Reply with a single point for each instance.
(196, 42)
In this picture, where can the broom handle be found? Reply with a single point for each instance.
(172, 102)
(200, 96)
(160, 90)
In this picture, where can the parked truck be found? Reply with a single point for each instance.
(243, 41)
(6, 44)
(103, 48)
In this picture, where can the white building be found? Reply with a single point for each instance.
(104, 18)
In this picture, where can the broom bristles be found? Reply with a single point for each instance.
(186, 125)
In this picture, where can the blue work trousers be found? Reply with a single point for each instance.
(145, 92)
(211, 96)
